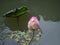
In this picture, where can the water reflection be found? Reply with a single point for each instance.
(50, 35)
(12, 22)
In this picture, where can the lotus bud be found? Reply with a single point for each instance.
(33, 23)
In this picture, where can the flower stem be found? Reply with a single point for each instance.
(31, 38)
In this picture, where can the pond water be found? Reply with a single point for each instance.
(50, 35)
(49, 15)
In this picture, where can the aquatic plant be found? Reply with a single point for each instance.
(26, 37)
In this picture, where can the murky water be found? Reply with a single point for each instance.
(48, 11)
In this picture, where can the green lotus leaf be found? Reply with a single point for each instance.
(11, 36)
(16, 12)
(37, 35)
(24, 43)
(37, 38)
(21, 11)
(22, 33)
(19, 32)
(28, 39)
(26, 36)
(17, 36)
(17, 39)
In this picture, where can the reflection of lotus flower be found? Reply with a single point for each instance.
(33, 23)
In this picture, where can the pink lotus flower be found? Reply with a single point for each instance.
(33, 23)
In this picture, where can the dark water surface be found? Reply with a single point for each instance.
(49, 13)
